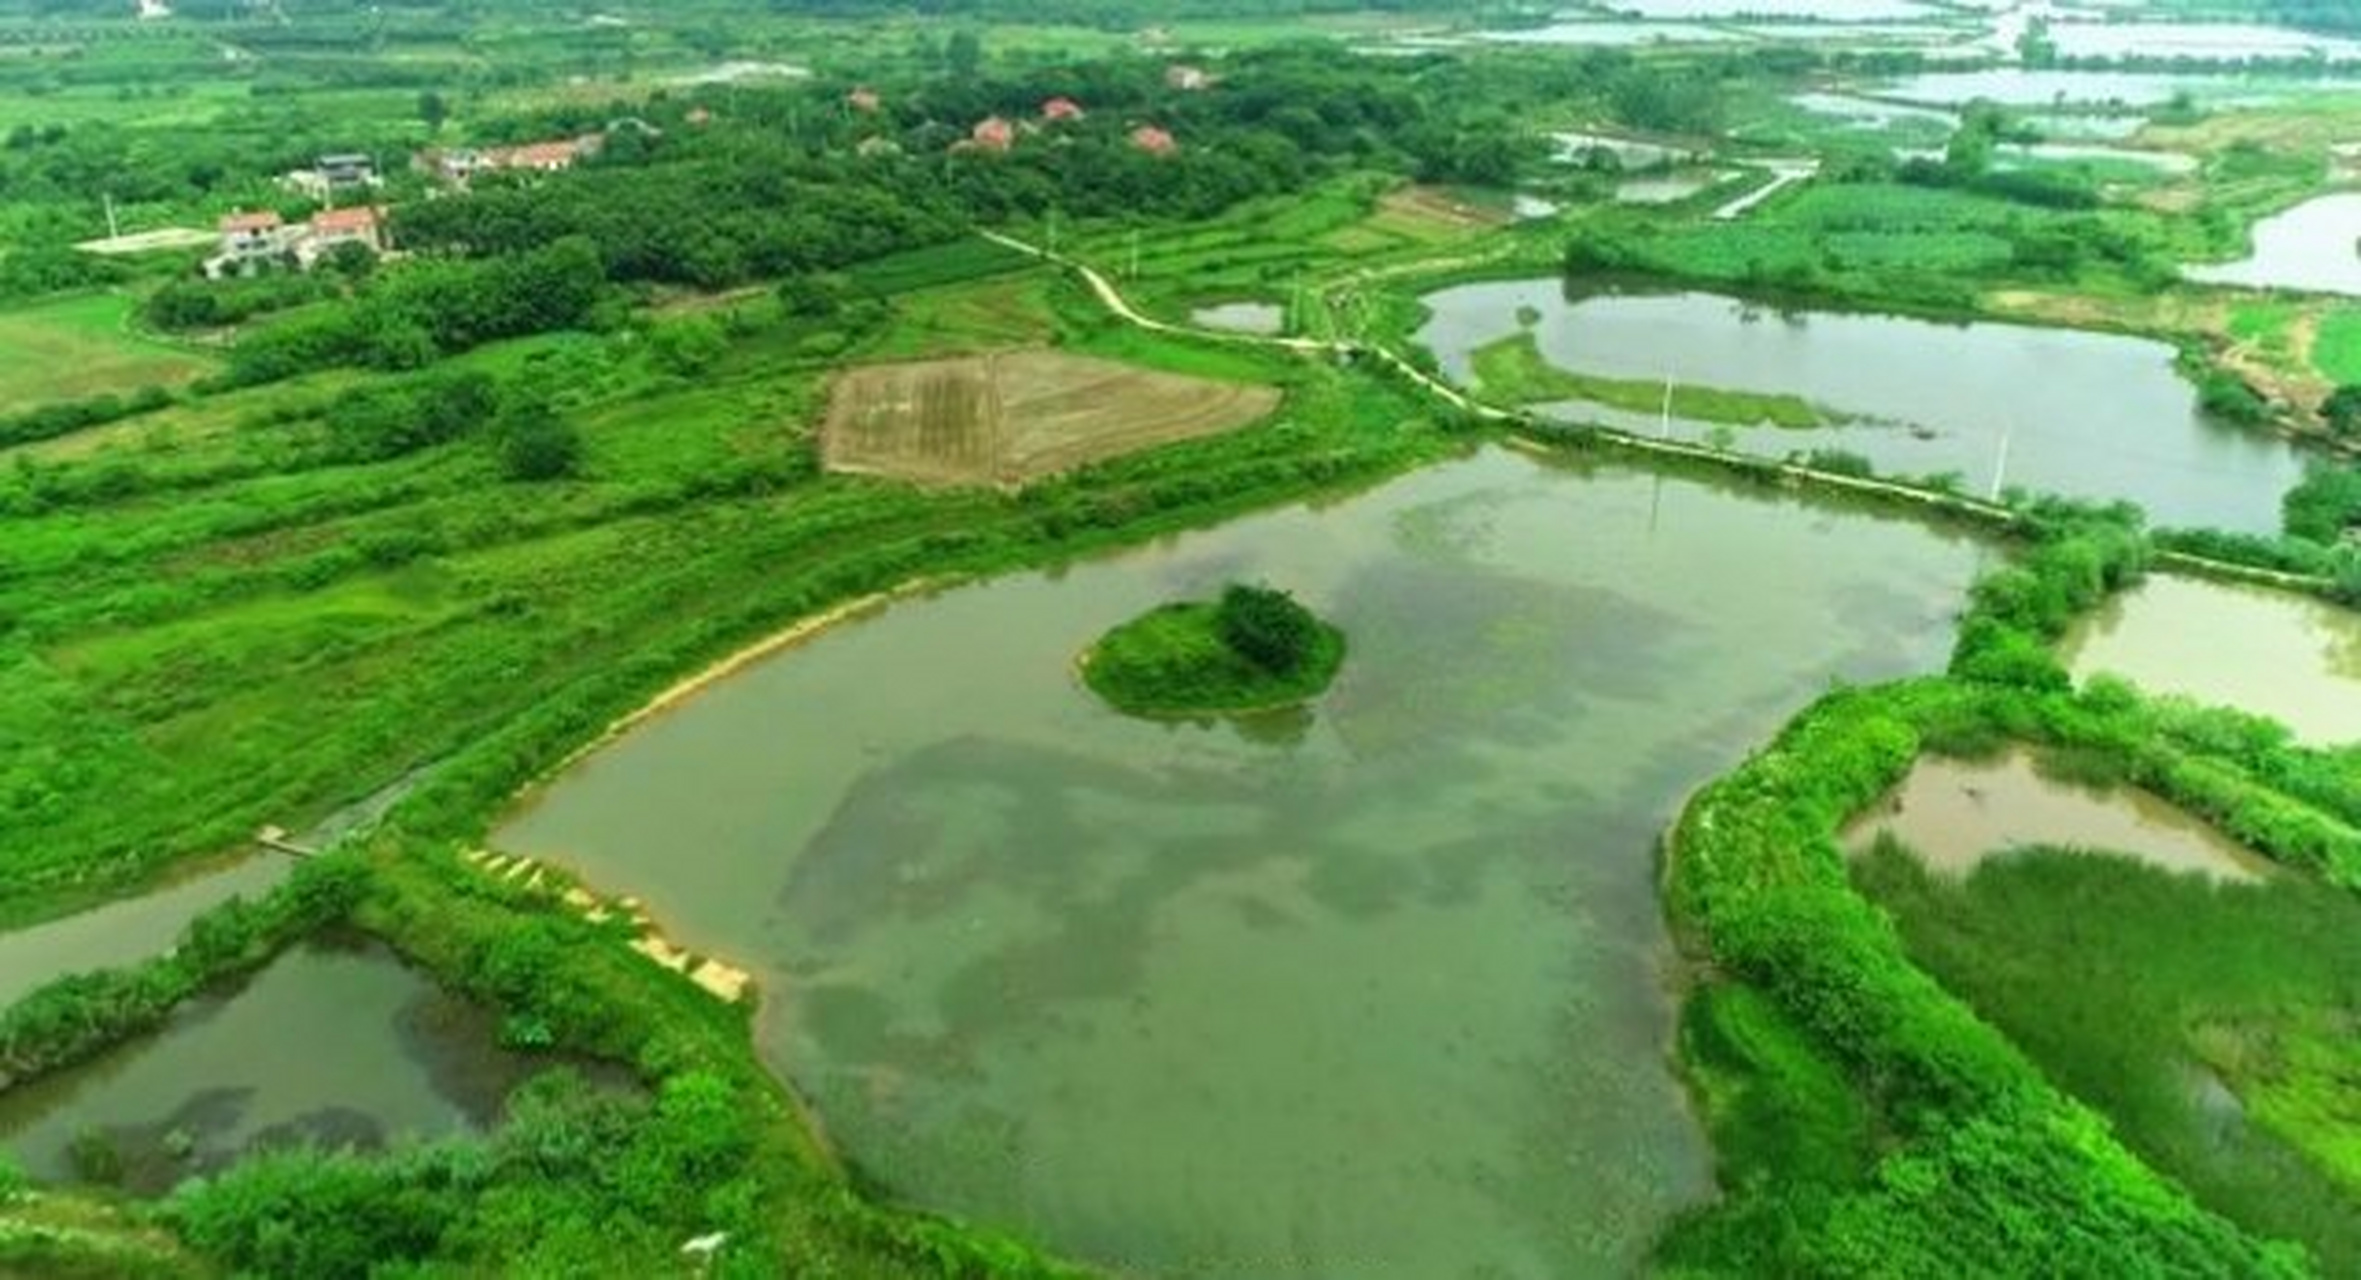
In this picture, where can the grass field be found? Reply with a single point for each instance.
(1514, 370)
(2213, 1024)
(77, 347)
(1010, 418)
(2336, 351)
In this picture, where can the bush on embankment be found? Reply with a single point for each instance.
(1978, 1164)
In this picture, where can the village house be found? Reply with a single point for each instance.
(865, 101)
(993, 134)
(253, 235)
(456, 167)
(332, 176)
(1154, 141)
(1186, 78)
(329, 228)
(1061, 110)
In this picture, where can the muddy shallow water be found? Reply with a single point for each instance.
(1955, 814)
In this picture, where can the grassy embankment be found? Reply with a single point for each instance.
(1513, 371)
(1865, 1115)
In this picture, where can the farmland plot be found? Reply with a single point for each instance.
(1015, 416)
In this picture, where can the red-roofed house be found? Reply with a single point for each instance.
(994, 134)
(864, 100)
(541, 157)
(1186, 78)
(1060, 110)
(246, 234)
(1154, 141)
(248, 241)
(331, 227)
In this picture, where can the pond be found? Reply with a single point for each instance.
(2289, 657)
(1611, 33)
(1242, 317)
(2195, 40)
(1797, 10)
(2019, 88)
(2315, 247)
(2083, 414)
(1668, 189)
(336, 1041)
(1956, 814)
(1379, 986)
(129, 930)
(1626, 153)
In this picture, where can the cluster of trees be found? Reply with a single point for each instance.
(190, 303)
(409, 318)
(1266, 626)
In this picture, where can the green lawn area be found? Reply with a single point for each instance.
(1514, 370)
(2137, 991)
(2336, 353)
(74, 348)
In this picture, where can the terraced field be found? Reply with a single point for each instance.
(1016, 416)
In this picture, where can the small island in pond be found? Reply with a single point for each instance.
(1254, 649)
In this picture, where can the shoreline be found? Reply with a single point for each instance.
(736, 661)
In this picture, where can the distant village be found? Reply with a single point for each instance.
(251, 242)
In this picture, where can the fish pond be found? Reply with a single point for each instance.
(2053, 410)
(1379, 985)
(2294, 659)
(2314, 247)
(1956, 814)
(336, 1042)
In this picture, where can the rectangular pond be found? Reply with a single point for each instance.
(2087, 415)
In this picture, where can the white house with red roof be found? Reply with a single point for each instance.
(1061, 110)
(1154, 141)
(329, 228)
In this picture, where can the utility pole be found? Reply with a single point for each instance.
(1664, 428)
(1134, 274)
(113, 231)
(2000, 463)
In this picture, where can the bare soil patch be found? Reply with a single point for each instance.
(1016, 416)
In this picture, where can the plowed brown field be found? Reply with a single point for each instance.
(1017, 416)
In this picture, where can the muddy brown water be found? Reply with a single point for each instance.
(2273, 653)
(1955, 814)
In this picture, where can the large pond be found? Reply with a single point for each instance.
(2200, 40)
(1381, 988)
(2315, 246)
(1956, 814)
(335, 1042)
(1811, 10)
(2053, 410)
(2289, 657)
